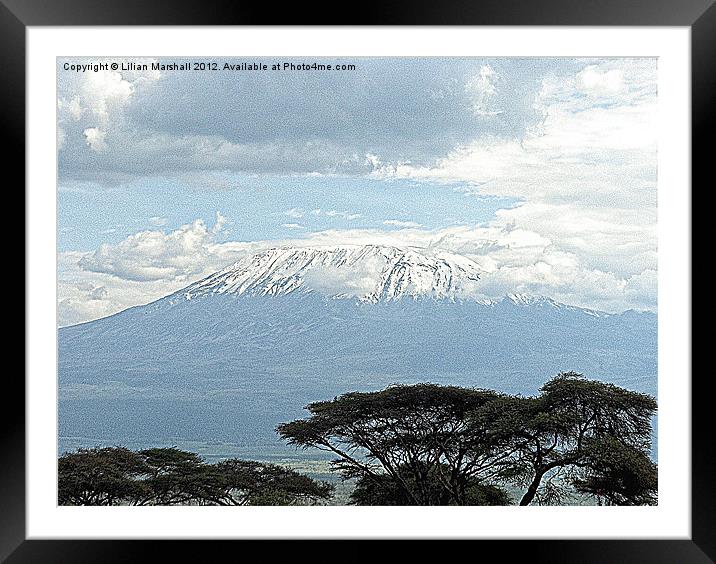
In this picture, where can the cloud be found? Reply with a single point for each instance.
(98, 293)
(61, 137)
(82, 301)
(102, 92)
(90, 110)
(95, 138)
(349, 281)
(72, 311)
(156, 255)
(336, 213)
(89, 104)
(344, 214)
(84, 295)
(399, 223)
(483, 90)
(595, 81)
(158, 221)
(221, 224)
(294, 212)
(73, 108)
(622, 241)
(573, 141)
(517, 260)
(512, 260)
(585, 178)
(387, 111)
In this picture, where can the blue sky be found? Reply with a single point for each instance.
(266, 207)
(541, 170)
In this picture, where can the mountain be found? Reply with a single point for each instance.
(231, 356)
(370, 273)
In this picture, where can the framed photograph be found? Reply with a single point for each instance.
(423, 274)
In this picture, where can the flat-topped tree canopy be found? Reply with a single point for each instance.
(432, 444)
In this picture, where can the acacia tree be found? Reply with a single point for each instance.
(170, 476)
(568, 436)
(427, 444)
(244, 482)
(383, 490)
(618, 475)
(173, 477)
(100, 476)
(419, 436)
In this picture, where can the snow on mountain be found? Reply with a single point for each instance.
(370, 273)
(528, 300)
(231, 356)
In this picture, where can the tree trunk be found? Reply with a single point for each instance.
(532, 490)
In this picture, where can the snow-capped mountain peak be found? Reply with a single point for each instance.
(543, 301)
(370, 273)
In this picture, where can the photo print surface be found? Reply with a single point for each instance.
(357, 281)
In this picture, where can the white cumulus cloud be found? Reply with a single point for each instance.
(95, 138)
(351, 281)
(156, 255)
(483, 92)
(593, 80)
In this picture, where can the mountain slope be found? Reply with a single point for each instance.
(233, 355)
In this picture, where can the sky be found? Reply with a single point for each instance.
(541, 170)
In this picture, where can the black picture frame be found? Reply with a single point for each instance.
(16, 15)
